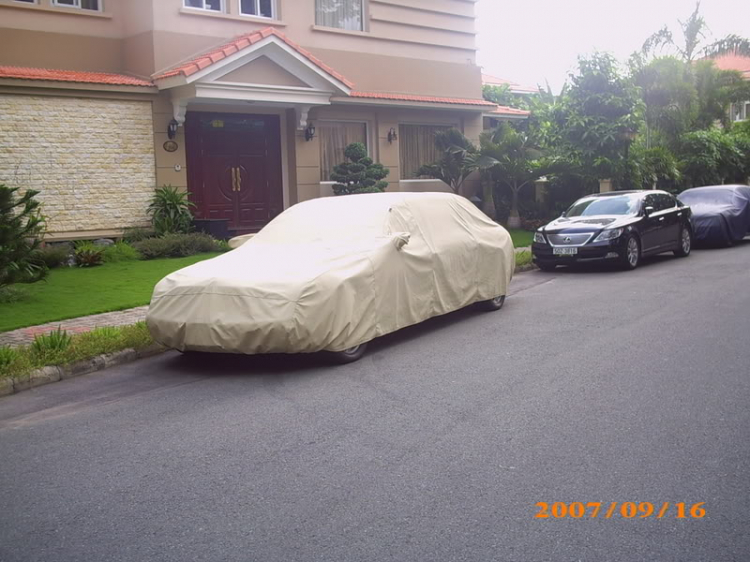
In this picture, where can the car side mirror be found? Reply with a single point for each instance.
(647, 211)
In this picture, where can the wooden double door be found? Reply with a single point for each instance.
(234, 168)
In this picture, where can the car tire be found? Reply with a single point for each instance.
(492, 304)
(348, 355)
(632, 257)
(546, 266)
(685, 243)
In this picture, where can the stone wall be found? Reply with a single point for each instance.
(91, 159)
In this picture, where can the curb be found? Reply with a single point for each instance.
(525, 268)
(55, 373)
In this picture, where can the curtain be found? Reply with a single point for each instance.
(334, 138)
(343, 14)
(417, 147)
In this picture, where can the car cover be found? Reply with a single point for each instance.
(720, 213)
(332, 273)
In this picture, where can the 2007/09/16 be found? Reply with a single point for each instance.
(627, 510)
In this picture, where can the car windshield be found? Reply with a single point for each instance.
(614, 205)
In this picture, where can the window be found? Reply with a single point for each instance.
(417, 147)
(95, 5)
(343, 14)
(212, 5)
(260, 8)
(27, 1)
(334, 137)
(739, 111)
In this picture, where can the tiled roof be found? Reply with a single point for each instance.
(243, 41)
(83, 77)
(489, 80)
(424, 99)
(505, 110)
(733, 61)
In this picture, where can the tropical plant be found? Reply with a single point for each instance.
(692, 45)
(360, 174)
(88, 254)
(21, 229)
(597, 118)
(716, 89)
(7, 356)
(120, 251)
(170, 211)
(502, 95)
(54, 342)
(711, 157)
(518, 163)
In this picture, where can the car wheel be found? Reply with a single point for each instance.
(492, 304)
(546, 266)
(348, 355)
(632, 256)
(686, 243)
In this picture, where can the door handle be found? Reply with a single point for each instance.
(661, 218)
(235, 179)
(239, 178)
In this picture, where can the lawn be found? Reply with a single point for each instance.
(521, 238)
(73, 292)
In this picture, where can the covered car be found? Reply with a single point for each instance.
(721, 213)
(334, 273)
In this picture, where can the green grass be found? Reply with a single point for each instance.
(521, 238)
(20, 361)
(523, 258)
(73, 292)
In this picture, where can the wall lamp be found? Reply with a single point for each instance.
(172, 129)
(310, 131)
(392, 135)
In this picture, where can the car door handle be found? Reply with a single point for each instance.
(661, 218)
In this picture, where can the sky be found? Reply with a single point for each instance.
(533, 41)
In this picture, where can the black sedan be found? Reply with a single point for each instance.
(618, 226)
(721, 213)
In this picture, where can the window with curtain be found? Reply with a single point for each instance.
(417, 147)
(212, 5)
(342, 14)
(334, 137)
(262, 8)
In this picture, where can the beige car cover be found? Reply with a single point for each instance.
(335, 272)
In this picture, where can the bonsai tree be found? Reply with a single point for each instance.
(360, 174)
(21, 227)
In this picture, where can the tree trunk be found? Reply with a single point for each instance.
(514, 219)
(488, 200)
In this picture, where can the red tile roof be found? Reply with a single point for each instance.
(83, 77)
(505, 110)
(733, 61)
(243, 41)
(424, 99)
(489, 80)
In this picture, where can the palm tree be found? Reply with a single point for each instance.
(693, 36)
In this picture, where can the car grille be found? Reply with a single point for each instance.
(569, 239)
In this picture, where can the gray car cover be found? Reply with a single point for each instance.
(721, 213)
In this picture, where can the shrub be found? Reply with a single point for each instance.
(11, 294)
(360, 174)
(120, 251)
(7, 356)
(55, 255)
(21, 227)
(136, 234)
(89, 255)
(51, 345)
(177, 246)
(170, 211)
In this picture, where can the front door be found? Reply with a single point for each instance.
(234, 168)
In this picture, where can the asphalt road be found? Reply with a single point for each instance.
(589, 386)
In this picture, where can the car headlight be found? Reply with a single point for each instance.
(611, 234)
(539, 237)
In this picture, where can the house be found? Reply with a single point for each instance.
(247, 104)
(731, 61)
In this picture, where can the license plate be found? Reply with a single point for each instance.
(565, 251)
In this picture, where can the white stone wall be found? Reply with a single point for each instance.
(91, 159)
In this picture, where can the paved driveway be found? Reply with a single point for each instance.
(587, 387)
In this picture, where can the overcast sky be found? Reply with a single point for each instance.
(530, 41)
